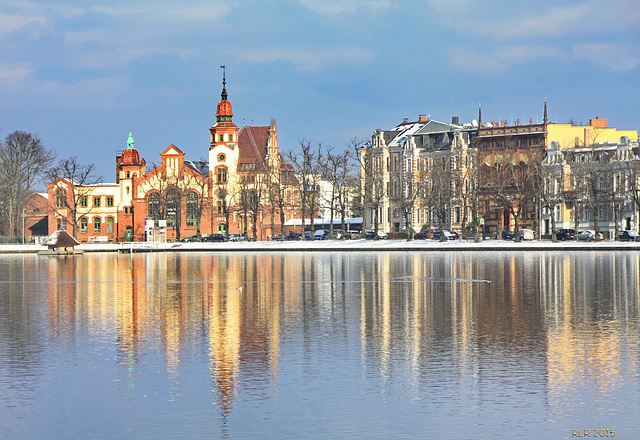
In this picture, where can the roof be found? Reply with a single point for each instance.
(60, 238)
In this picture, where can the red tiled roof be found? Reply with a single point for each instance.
(252, 143)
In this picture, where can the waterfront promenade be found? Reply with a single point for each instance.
(345, 246)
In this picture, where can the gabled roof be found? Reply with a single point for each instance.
(60, 238)
(252, 142)
(172, 150)
(436, 127)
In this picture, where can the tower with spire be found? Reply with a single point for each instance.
(129, 168)
(223, 149)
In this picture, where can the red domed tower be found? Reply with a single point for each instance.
(129, 168)
(224, 131)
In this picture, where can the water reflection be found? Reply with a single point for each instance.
(454, 340)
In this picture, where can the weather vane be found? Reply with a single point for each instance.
(224, 75)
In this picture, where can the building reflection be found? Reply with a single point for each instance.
(458, 320)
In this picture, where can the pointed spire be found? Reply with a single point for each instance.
(130, 141)
(545, 120)
(224, 113)
(479, 114)
(224, 82)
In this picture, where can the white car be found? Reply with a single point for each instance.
(526, 234)
(589, 235)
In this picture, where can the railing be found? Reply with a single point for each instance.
(23, 240)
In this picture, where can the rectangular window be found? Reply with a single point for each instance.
(83, 225)
(96, 202)
(96, 225)
(110, 201)
(83, 201)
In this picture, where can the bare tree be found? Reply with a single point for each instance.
(23, 163)
(199, 183)
(438, 194)
(337, 172)
(372, 180)
(307, 168)
(511, 182)
(73, 184)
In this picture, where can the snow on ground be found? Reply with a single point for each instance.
(347, 246)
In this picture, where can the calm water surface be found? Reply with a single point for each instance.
(320, 345)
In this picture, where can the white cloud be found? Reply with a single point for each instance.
(612, 56)
(308, 60)
(11, 74)
(503, 22)
(10, 23)
(336, 7)
(497, 59)
(19, 88)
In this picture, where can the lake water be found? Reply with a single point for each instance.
(451, 345)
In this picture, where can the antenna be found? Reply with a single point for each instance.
(224, 75)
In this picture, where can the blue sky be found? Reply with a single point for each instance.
(81, 73)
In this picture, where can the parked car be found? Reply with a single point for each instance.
(628, 236)
(321, 234)
(191, 239)
(307, 235)
(447, 235)
(508, 235)
(238, 236)
(352, 235)
(370, 235)
(566, 234)
(292, 236)
(422, 235)
(213, 237)
(526, 234)
(589, 235)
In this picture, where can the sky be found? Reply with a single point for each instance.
(81, 74)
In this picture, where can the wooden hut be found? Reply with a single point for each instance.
(60, 243)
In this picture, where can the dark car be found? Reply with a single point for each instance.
(371, 235)
(566, 234)
(628, 236)
(191, 239)
(508, 235)
(422, 235)
(214, 237)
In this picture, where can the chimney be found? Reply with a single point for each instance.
(405, 120)
(600, 123)
(587, 132)
(455, 120)
(422, 118)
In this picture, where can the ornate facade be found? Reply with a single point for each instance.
(246, 187)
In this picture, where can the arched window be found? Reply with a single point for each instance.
(96, 225)
(221, 175)
(83, 225)
(110, 225)
(173, 207)
(61, 198)
(153, 203)
(192, 209)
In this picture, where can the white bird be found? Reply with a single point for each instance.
(240, 288)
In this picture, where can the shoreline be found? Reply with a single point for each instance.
(341, 246)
